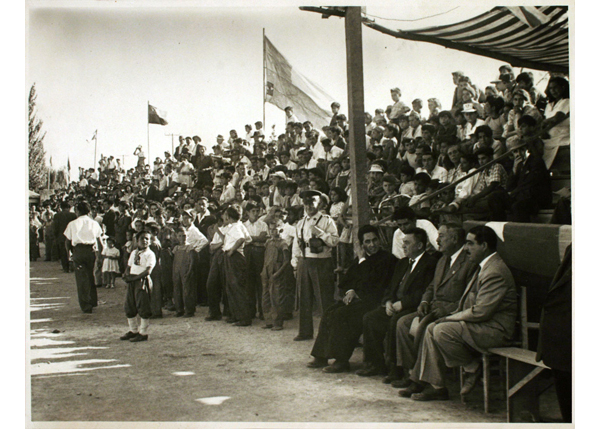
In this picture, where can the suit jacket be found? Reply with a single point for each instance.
(532, 181)
(447, 288)
(488, 307)
(61, 220)
(411, 288)
(370, 278)
(555, 345)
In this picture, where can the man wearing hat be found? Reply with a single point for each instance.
(506, 85)
(375, 187)
(398, 108)
(316, 235)
(472, 117)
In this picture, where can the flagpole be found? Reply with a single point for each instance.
(264, 79)
(95, 148)
(148, 129)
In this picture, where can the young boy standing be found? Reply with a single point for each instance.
(137, 276)
(255, 255)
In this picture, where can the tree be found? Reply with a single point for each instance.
(38, 172)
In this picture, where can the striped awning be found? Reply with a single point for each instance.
(532, 37)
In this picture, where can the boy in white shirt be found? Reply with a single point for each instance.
(139, 284)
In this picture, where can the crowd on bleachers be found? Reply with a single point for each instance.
(261, 227)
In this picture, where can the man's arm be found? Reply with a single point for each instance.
(328, 233)
(492, 290)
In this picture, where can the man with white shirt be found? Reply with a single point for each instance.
(83, 239)
(331, 152)
(485, 318)
(198, 241)
(255, 255)
(289, 115)
(436, 172)
(406, 220)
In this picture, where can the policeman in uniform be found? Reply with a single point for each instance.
(316, 234)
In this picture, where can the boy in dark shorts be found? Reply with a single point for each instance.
(137, 276)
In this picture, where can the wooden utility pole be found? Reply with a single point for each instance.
(356, 117)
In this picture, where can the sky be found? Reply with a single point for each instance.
(96, 65)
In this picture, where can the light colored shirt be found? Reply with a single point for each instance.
(147, 259)
(326, 231)
(194, 238)
(256, 228)
(83, 230)
(438, 173)
(232, 233)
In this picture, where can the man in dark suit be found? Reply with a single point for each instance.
(61, 220)
(555, 346)
(411, 277)
(362, 287)
(485, 318)
(529, 186)
(452, 273)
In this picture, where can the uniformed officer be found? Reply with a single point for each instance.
(316, 235)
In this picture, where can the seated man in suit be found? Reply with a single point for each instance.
(363, 287)
(452, 273)
(411, 277)
(485, 318)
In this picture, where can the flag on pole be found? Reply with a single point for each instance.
(94, 137)
(68, 164)
(285, 86)
(156, 116)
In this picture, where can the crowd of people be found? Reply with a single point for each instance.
(260, 229)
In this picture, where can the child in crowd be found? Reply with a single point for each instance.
(139, 286)
(278, 280)
(255, 255)
(184, 295)
(110, 265)
(235, 236)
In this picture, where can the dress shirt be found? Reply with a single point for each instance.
(195, 238)
(233, 233)
(83, 230)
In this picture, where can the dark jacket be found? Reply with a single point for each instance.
(412, 288)
(370, 278)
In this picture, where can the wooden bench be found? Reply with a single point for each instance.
(523, 386)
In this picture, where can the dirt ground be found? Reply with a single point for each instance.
(191, 370)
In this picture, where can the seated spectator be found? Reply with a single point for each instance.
(485, 318)
(484, 137)
(405, 219)
(452, 273)
(430, 167)
(522, 106)
(412, 275)
(495, 120)
(362, 288)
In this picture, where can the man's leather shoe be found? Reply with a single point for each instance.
(138, 338)
(369, 371)
(277, 328)
(243, 323)
(470, 380)
(337, 367)
(431, 394)
(212, 318)
(317, 362)
(128, 336)
(302, 338)
(413, 388)
(268, 327)
(402, 383)
(231, 320)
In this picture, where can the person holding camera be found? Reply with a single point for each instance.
(316, 235)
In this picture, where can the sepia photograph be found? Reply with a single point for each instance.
(294, 215)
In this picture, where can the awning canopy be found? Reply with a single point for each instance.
(524, 36)
(532, 37)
